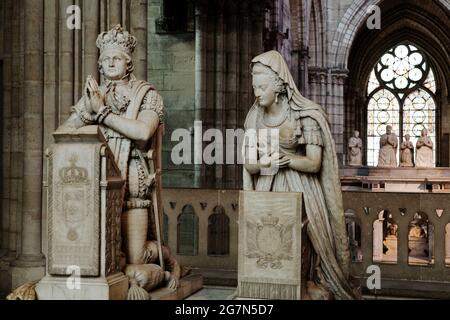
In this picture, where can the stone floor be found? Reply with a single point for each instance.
(214, 293)
(227, 293)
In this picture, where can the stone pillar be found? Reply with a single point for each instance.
(245, 97)
(7, 75)
(114, 14)
(377, 241)
(50, 92)
(5, 276)
(230, 109)
(138, 27)
(219, 97)
(317, 79)
(303, 61)
(336, 110)
(200, 65)
(30, 264)
(15, 146)
(91, 15)
(66, 73)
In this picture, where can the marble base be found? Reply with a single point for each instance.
(22, 275)
(188, 286)
(114, 287)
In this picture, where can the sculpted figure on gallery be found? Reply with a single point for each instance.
(306, 163)
(424, 145)
(355, 150)
(130, 115)
(406, 153)
(387, 156)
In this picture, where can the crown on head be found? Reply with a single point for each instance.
(117, 38)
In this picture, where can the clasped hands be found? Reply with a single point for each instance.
(426, 142)
(96, 99)
(276, 159)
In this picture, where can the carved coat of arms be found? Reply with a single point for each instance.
(74, 184)
(270, 241)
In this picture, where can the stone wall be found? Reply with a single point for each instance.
(321, 40)
(44, 68)
(418, 22)
(171, 69)
(203, 74)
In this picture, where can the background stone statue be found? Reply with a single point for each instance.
(306, 163)
(387, 156)
(355, 150)
(424, 153)
(130, 115)
(406, 153)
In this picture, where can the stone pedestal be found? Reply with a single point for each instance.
(188, 286)
(85, 197)
(114, 287)
(270, 245)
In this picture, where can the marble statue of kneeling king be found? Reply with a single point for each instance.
(129, 113)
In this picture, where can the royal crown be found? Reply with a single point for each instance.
(270, 220)
(117, 38)
(73, 174)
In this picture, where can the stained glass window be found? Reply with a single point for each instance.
(400, 92)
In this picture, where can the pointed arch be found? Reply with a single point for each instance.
(420, 240)
(353, 223)
(218, 232)
(187, 232)
(385, 238)
(420, 23)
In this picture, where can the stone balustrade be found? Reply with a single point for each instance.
(403, 271)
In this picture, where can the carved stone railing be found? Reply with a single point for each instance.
(400, 276)
(202, 202)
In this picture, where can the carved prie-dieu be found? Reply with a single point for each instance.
(74, 209)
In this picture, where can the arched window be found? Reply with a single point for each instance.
(218, 232)
(420, 240)
(385, 238)
(353, 224)
(400, 92)
(187, 232)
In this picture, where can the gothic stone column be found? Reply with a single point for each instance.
(336, 111)
(31, 264)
